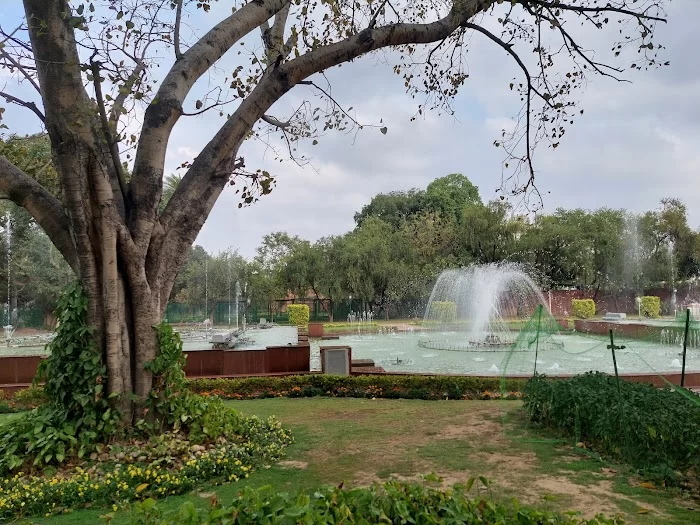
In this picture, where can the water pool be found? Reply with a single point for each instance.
(575, 354)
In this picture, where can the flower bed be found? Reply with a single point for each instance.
(165, 465)
(365, 386)
(393, 502)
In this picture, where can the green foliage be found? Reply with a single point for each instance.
(174, 406)
(657, 430)
(444, 311)
(298, 314)
(651, 306)
(77, 416)
(29, 398)
(583, 308)
(259, 443)
(394, 502)
(391, 387)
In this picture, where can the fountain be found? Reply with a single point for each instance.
(9, 327)
(474, 305)
(672, 269)
(238, 298)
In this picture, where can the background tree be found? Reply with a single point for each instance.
(92, 65)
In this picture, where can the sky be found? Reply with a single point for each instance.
(635, 144)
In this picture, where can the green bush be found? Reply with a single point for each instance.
(651, 306)
(656, 430)
(583, 308)
(443, 311)
(393, 502)
(363, 386)
(298, 314)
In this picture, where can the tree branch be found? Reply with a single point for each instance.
(29, 105)
(273, 38)
(111, 143)
(118, 105)
(602, 9)
(273, 121)
(19, 68)
(176, 36)
(165, 110)
(47, 211)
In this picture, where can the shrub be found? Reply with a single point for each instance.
(651, 306)
(298, 314)
(583, 308)
(443, 311)
(29, 398)
(260, 443)
(656, 430)
(364, 386)
(393, 502)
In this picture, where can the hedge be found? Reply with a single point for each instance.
(656, 430)
(651, 306)
(443, 311)
(363, 386)
(394, 502)
(298, 314)
(583, 308)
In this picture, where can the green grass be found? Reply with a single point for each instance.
(359, 441)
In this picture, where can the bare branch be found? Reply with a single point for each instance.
(8, 36)
(111, 143)
(118, 105)
(530, 89)
(29, 105)
(176, 36)
(574, 48)
(373, 20)
(47, 211)
(601, 9)
(273, 121)
(19, 68)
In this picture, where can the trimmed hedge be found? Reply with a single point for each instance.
(364, 386)
(583, 308)
(656, 430)
(651, 306)
(394, 502)
(298, 314)
(443, 311)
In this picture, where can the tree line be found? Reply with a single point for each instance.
(401, 242)
(404, 239)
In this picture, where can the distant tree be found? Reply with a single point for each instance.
(449, 195)
(393, 208)
(487, 232)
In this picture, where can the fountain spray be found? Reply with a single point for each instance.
(9, 328)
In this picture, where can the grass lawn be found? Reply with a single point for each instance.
(360, 441)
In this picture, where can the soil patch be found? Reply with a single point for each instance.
(293, 464)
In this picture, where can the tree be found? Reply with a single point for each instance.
(449, 195)
(91, 66)
(394, 207)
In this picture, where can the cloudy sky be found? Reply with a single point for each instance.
(635, 144)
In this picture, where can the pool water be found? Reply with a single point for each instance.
(574, 354)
